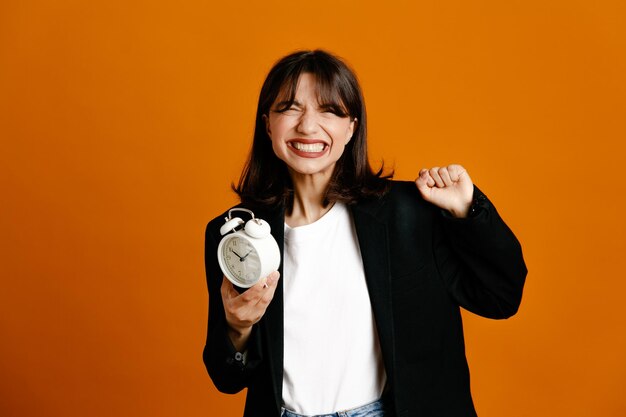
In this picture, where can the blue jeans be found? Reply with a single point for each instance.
(375, 409)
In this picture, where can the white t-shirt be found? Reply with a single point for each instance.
(332, 358)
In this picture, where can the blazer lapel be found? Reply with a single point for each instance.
(272, 323)
(372, 236)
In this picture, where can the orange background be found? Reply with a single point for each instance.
(123, 124)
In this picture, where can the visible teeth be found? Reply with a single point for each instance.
(308, 147)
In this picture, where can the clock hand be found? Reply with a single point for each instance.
(239, 256)
(246, 255)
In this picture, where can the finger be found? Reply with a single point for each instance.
(269, 288)
(445, 176)
(425, 175)
(267, 297)
(430, 180)
(456, 172)
(422, 186)
(271, 280)
(434, 173)
(253, 294)
(422, 181)
(422, 178)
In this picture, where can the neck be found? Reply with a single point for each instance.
(308, 199)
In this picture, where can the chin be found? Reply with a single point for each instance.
(309, 169)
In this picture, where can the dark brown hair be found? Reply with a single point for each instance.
(265, 180)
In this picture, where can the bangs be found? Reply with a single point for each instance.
(332, 94)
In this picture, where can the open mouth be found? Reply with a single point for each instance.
(308, 147)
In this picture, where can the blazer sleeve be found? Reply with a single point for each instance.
(229, 373)
(480, 260)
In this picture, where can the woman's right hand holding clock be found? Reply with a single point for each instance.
(246, 309)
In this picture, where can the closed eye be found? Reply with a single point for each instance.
(337, 111)
(287, 105)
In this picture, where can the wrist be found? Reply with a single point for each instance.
(461, 211)
(239, 337)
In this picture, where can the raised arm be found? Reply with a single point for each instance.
(477, 255)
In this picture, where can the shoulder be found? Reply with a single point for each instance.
(403, 194)
(403, 189)
(401, 202)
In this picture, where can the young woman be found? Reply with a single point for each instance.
(363, 313)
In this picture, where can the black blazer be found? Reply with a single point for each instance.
(420, 266)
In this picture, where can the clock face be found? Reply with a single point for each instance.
(241, 260)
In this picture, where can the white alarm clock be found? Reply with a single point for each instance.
(247, 251)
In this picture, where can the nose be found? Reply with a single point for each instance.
(308, 123)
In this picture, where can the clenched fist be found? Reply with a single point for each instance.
(449, 188)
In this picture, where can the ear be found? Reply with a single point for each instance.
(266, 119)
(351, 129)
